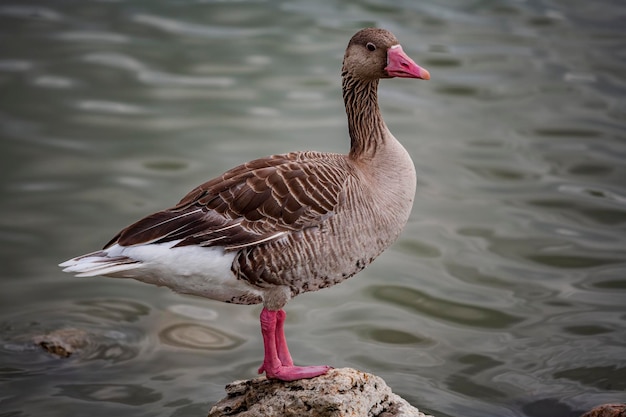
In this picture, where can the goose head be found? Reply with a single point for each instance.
(376, 53)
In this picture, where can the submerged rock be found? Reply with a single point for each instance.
(62, 342)
(339, 393)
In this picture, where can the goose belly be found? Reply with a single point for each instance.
(314, 258)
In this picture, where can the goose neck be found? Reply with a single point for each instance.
(365, 124)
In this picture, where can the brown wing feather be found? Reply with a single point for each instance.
(256, 202)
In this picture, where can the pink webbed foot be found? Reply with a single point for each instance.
(277, 363)
(293, 373)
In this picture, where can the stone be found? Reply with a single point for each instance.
(339, 393)
(607, 410)
(62, 342)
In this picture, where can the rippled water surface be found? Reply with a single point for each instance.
(505, 296)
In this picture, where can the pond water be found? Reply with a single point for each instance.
(505, 295)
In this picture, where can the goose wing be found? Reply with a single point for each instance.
(256, 202)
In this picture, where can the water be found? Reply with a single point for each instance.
(506, 294)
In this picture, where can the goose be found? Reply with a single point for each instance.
(270, 229)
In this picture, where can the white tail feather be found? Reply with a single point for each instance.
(99, 263)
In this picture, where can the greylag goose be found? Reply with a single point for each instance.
(276, 227)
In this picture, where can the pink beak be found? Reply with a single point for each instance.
(400, 65)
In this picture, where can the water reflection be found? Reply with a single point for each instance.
(116, 393)
(114, 310)
(465, 314)
(586, 210)
(459, 90)
(195, 336)
(100, 331)
(502, 173)
(391, 336)
(186, 28)
(546, 251)
(618, 283)
(615, 377)
(548, 408)
(30, 12)
(466, 385)
(587, 330)
(418, 248)
(165, 165)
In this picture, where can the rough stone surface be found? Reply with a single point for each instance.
(339, 393)
(607, 410)
(62, 342)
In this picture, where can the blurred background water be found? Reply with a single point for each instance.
(506, 294)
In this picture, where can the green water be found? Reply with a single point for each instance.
(506, 294)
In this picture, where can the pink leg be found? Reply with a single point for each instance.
(281, 340)
(277, 363)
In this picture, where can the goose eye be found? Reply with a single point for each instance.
(370, 46)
